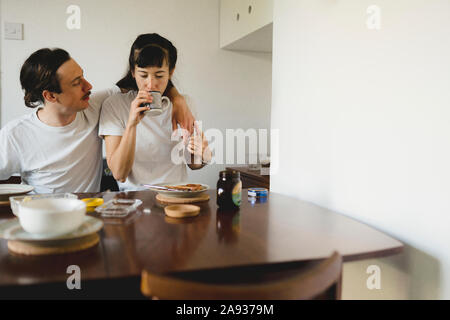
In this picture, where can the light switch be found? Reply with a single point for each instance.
(14, 31)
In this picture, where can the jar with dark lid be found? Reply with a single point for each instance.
(229, 190)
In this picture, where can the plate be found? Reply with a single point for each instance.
(178, 193)
(12, 230)
(10, 190)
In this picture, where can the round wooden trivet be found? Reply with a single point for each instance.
(182, 211)
(168, 200)
(52, 247)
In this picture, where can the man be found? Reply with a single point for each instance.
(57, 148)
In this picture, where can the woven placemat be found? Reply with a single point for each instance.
(38, 248)
(171, 200)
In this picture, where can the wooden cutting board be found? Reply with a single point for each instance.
(39, 248)
(172, 200)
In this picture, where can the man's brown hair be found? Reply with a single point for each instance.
(38, 73)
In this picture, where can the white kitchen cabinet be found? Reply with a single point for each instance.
(246, 25)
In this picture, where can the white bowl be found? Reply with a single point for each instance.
(51, 216)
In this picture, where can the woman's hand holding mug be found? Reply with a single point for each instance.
(138, 108)
(159, 104)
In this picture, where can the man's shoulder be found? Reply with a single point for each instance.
(120, 97)
(96, 101)
(18, 124)
(98, 97)
(119, 100)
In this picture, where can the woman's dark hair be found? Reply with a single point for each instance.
(145, 40)
(38, 73)
(152, 56)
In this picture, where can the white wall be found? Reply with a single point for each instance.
(229, 89)
(363, 118)
(1, 36)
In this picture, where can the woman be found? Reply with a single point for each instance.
(139, 147)
(128, 82)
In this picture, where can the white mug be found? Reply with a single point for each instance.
(159, 104)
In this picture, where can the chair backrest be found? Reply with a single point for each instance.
(12, 180)
(108, 182)
(313, 280)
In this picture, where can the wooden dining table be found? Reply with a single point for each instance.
(265, 232)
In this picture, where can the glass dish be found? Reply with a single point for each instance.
(118, 208)
(16, 201)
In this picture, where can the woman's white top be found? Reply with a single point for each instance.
(157, 157)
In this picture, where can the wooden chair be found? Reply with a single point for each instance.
(12, 180)
(291, 281)
(108, 182)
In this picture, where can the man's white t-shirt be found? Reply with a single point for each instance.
(152, 161)
(55, 159)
